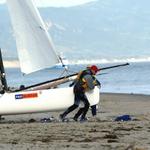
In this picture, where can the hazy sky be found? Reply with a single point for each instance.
(57, 3)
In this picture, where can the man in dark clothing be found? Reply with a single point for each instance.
(93, 107)
(85, 81)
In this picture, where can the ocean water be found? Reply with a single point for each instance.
(134, 78)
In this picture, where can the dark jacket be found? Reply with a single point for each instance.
(85, 81)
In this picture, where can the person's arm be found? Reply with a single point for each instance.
(75, 80)
(96, 82)
(71, 84)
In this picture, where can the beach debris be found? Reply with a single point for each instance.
(1, 118)
(124, 129)
(112, 141)
(32, 120)
(46, 120)
(123, 118)
(110, 136)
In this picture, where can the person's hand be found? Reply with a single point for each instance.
(70, 85)
(98, 85)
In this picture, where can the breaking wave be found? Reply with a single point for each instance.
(15, 63)
(104, 61)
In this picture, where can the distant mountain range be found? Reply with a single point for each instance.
(97, 30)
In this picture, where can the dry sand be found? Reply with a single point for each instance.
(102, 133)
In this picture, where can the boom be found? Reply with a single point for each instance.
(3, 84)
(61, 80)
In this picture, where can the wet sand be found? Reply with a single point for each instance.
(26, 132)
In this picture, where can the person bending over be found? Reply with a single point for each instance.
(85, 81)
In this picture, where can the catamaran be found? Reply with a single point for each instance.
(36, 52)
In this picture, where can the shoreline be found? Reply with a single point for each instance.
(103, 133)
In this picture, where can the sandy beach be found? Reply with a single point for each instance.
(27, 132)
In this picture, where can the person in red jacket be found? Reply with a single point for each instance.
(85, 81)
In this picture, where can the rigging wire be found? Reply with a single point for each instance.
(66, 68)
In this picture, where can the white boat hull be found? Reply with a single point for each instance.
(41, 100)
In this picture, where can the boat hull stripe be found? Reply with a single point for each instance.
(24, 96)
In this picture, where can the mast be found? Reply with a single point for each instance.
(3, 82)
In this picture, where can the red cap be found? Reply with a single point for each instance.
(94, 68)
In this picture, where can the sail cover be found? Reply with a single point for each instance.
(35, 48)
